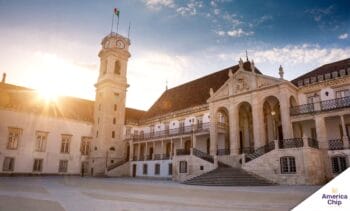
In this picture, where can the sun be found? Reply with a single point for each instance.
(48, 94)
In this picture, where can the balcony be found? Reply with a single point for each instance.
(198, 128)
(183, 152)
(223, 152)
(335, 144)
(326, 105)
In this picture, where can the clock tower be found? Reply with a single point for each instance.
(109, 111)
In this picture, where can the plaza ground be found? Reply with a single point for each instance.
(76, 193)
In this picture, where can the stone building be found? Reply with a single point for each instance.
(272, 129)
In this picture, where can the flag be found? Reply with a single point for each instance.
(116, 12)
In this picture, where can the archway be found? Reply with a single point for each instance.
(246, 134)
(223, 136)
(272, 119)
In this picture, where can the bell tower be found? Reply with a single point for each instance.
(109, 109)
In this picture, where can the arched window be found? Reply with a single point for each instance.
(117, 68)
(338, 164)
(288, 165)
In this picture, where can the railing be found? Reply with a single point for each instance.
(202, 155)
(197, 128)
(157, 156)
(117, 164)
(148, 157)
(313, 143)
(223, 151)
(325, 105)
(134, 158)
(165, 157)
(222, 125)
(335, 144)
(142, 157)
(183, 152)
(290, 143)
(246, 150)
(260, 151)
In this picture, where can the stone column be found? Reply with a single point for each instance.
(162, 150)
(154, 149)
(131, 153)
(285, 116)
(194, 141)
(234, 129)
(321, 131)
(213, 137)
(146, 151)
(258, 122)
(345, 135)
(138, 151)
(171, 149)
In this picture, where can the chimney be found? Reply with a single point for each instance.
(3, 78)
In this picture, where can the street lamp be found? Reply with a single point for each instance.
(273, 113)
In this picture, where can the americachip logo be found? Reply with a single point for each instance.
(335, 195)
(335, 198)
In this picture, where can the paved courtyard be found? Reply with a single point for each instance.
(75, 193)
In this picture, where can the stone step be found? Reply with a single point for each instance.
(228, 176)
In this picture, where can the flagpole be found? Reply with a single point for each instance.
(112, 22)
(129, 30)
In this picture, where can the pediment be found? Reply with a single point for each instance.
(241, 82)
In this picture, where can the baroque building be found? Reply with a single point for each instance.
(237, 119)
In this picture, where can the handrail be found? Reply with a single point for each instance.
(117, 164)
(197, 128)
(183, 152)
(260, 151)
(202, 155)
(335, 144)
(325, 105)
(290, 143)
(223, 152)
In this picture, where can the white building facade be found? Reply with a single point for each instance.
(288, 132)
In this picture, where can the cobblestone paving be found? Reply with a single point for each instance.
(76, 193)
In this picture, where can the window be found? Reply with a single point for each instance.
(144, 170)
(314, 98)
(183, 166)
(338, 164)
(115, 107)
(113, 134)
(170, 169)
(116, 95)
(63, 166)
(117, 68)
(40, 144)
(38, 165)
(114, 120)
(288, 165)
(342, 93)
(128, 131)
(9, 164)
(157, 169)
(13, 138)
(65, 143)
(85, 145)
(96, 133)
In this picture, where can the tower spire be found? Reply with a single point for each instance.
(246, 55)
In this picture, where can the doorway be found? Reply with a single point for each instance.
(134, 170)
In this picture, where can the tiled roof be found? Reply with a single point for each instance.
(26, 100)
(191, 94)
(133, 115)
(341, 67)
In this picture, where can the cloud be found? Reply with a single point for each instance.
(158, 4)
(190, 9)
(319, 13)
(343, 36)
(220, 33)
(239, 33)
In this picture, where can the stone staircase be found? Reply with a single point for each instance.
(228, 176)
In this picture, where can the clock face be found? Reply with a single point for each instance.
(120, 44)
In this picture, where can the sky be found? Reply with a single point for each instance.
(54, 44)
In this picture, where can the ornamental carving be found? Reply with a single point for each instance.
(241, 84)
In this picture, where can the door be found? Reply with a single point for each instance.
(84, 168)
(187, 146)
(280, 132)
(134, 170)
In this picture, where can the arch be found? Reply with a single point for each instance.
(272, 119)
(245, 121)
(222, 124)
(117, 67)
(187, 146)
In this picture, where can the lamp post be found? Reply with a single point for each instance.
(273, 113)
